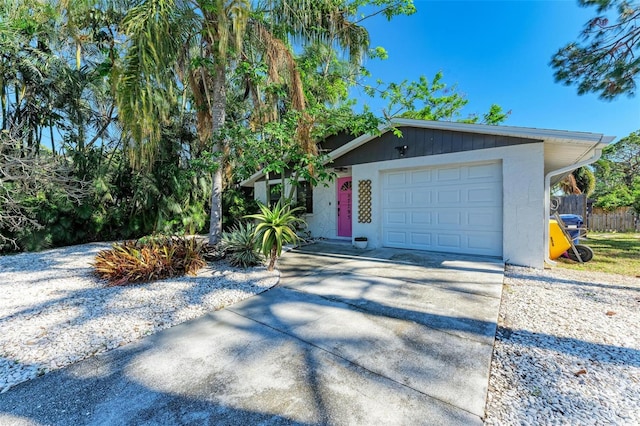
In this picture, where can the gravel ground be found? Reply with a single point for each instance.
(567, 350)
(54, 312)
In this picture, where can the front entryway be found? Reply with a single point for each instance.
(344, 206)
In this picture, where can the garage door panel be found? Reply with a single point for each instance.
(483, 241)
(396, 198)
(450, 241)
(420, 239)
(472, 243)
(453, 208)
(396, 239)
(449, 196)
(395, 180)
(450, 218)
(421, 218)
(482, 194)
(448, 175)
(483, 172)
(420, 177)
(395, 218)
(421, 199)
(447, 218)
(484, 219)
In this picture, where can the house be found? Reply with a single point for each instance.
(446, 187)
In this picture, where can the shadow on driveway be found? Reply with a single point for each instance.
(346, 338)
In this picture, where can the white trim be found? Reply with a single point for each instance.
(520, 132)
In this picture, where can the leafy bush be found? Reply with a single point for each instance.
(236, 204)
(121, 203)
(149, 259)
(276, 227)
(242, 245)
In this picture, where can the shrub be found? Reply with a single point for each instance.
(242, 245)
(149, 259)
(276, 227)
(236, 204)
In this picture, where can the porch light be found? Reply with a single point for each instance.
(402, 149)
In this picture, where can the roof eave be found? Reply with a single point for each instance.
(593, 140)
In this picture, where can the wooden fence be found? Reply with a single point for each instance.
(598, 220)
(574, 204)
(618, 221)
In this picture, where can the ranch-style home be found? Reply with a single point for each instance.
(443, 186)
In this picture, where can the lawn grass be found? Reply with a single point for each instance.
(616, 253)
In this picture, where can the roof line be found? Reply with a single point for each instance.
(520, 132)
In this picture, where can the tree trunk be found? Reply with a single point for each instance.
(272, 258)
(218, 105)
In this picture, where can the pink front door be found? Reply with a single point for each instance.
(344, 207)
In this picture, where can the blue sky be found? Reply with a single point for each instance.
(499, 52)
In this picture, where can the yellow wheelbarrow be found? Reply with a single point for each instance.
(561, 242)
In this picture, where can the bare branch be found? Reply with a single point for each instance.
(26, 176)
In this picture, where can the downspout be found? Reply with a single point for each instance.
(547, 194)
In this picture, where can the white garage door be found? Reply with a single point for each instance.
(454, 208)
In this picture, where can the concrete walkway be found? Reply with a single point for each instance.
(348, 337)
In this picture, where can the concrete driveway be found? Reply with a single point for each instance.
(348, 337)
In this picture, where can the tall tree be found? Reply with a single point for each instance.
(618, 174)
(607, 61)
(195, 45)
(430, 100)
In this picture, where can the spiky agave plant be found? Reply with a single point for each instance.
(242, 245)
(276, 227)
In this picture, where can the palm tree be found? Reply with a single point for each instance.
(174, 47)
(177, 45)
(579, 181)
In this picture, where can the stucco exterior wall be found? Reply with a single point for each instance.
(323, 222)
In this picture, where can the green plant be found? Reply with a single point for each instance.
(242, 245)
(236, 204)
(276, 227)
(149, 259)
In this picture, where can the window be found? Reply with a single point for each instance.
(275, 192)
(304, 195)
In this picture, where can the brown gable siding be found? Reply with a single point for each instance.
(423, 142)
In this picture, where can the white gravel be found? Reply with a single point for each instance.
(54, 312)
(567, 350)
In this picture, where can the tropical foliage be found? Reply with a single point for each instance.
(579, 181)
(430, 100)
(242, 245)
(126, 118)
(618, 174)
(149, 259)
(195, 48)
(276, 227)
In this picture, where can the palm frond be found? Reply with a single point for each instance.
(158, 31)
